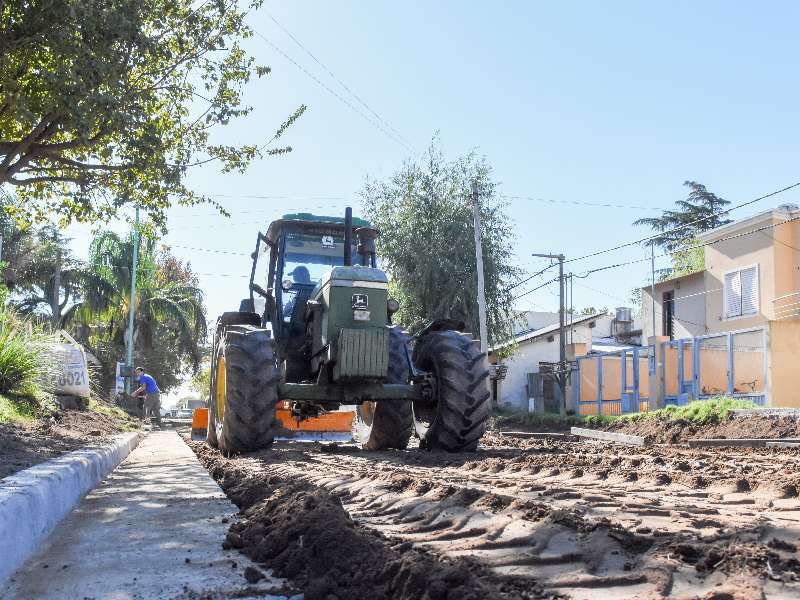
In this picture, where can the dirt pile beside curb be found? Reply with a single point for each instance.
(673, 431)
(25, 445)
(304, 534)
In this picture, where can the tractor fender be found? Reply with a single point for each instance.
(238, 318)
(441, 325)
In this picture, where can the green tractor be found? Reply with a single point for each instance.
(325, 340)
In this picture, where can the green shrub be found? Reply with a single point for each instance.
(26, 368)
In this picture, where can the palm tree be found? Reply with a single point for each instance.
(169, 315)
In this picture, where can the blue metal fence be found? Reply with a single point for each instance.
(680, 387)
(731, 364)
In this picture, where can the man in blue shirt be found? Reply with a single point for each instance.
(152, 402)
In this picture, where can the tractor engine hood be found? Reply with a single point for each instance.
(355, 276)
(349, 298)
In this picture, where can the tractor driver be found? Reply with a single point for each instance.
(300, 275)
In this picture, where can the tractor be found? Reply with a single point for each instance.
(319, 336)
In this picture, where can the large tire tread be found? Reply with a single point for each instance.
(462, 408)
(251, 394)
(393, 421)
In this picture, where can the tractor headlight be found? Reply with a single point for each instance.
(392, 306)
(287, 285)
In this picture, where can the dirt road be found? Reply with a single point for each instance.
(521, 519)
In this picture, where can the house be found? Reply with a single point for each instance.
(535, 352)
(750, 286)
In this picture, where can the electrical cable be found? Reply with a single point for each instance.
(534, 289)
(578, 202)
(335, 94)
(334, 77)
(684, 226)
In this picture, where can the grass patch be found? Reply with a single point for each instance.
(504, 418)
(18, 409)
(113, 411)
(701, 412)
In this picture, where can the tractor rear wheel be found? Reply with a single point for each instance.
(244, 391)
(387, 424)
(458, 417)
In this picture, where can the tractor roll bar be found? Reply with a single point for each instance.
(348, 237)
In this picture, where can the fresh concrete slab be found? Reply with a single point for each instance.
(608, 436)
(742, 442)
(545, 435)
(34, 500)
(766, 412)
(153, 529)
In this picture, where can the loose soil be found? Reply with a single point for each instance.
(532, 519)
(665, 431)
(23, 445)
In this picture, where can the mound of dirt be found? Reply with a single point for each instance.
(304, 534)
(25, 445)
(662, 430)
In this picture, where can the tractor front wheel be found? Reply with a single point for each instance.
(387, 424)
(244, 391)
(459, 413)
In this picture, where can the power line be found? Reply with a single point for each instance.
(335, 93)
(210, 250)
(519, 283)
(711, 243)
(334, 77)
(681, 227)
(536, 288)
(578, 202)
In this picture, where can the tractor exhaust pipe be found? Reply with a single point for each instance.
(348, 237)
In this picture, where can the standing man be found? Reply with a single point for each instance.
(152, 402)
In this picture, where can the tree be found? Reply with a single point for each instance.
(104, 102)
(201, 382)
(170, 327)
(700, 211)
(424, 214)
(36, 260)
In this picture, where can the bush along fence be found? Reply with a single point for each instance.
(672, 372)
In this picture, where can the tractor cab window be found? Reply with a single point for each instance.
(306, 258)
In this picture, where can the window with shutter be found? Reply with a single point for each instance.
(741, 292)
(749, 282)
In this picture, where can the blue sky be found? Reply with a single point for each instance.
(602, 103)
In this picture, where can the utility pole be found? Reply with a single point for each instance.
(476, 215)
(562, 334)
(132, 306)
(653, 284)
(55, 306)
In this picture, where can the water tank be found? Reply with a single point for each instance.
(624, 314)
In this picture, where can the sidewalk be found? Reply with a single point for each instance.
(152, 529)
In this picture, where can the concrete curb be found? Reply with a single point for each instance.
(33, 501)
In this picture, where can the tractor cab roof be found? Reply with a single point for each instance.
(306, 222)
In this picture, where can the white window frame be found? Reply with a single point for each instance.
(725, 316)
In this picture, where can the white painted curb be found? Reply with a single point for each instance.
(33, 501)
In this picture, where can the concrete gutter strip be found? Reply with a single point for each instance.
(33, 501)
(783, 445)
(743, 442)
(607, 436)
(546, 435)
(765, 412)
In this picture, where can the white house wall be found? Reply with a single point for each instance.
(690, 308)
(513, 390)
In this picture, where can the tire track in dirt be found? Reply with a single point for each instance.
(584, 520)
